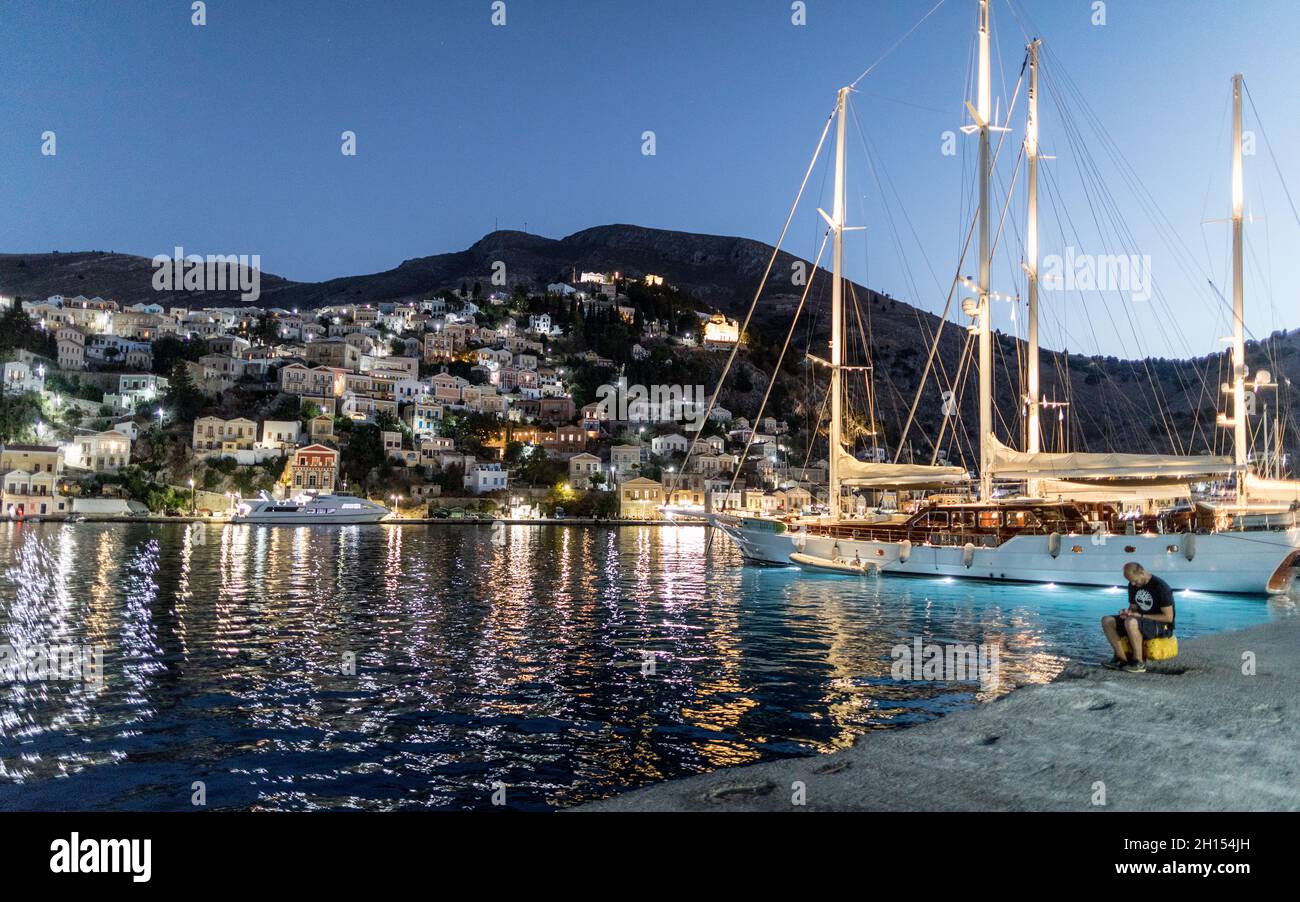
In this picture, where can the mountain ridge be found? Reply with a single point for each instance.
(1112, 409)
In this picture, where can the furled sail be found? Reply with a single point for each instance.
(1279, 490)
(1128, 491)
(852, 471)
(1079, 466)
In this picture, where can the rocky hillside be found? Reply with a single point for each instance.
(1116, 404)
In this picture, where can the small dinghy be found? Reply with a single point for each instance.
(839, 565)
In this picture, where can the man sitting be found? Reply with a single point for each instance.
(1150, 615)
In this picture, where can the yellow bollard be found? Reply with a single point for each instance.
(1161, 649)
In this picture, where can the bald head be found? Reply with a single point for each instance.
(1136, 573)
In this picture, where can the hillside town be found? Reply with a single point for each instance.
(585, 399)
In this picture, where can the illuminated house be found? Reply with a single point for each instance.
(20, 377)
(313, 468)
(640, 499)
(102, 452)
(32, 494)
(721, 332)
(29, 478)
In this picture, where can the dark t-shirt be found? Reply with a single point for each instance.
(1150, 598)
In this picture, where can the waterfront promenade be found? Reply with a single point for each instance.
(1193, 733)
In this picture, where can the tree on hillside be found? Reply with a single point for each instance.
(386, 422)
(169, 349)
(364, 454)
(18, 416)
(17, 332)
(183, 398)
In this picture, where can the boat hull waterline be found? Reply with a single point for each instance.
(1243, 562)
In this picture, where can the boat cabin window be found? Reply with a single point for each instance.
(1022, 519)
(933, 520)
(990, 519)
(963, 519)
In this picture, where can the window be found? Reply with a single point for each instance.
(963, 519)
(1022, 519)
(990, 519)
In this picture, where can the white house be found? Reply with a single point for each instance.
(100, 452)
(281, 434)
(669, 444)
(20, 377)
(482, 478)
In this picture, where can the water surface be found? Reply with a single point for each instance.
(563, 663)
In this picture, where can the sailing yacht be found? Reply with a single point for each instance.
(1070, 526)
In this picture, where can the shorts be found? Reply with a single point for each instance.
(1152, 630)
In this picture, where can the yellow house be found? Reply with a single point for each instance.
(31, 458)
(640, 499)
(216, 434)
(24, 494)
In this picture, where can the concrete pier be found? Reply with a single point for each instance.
(1215, 729)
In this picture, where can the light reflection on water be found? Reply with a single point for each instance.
(519, 661)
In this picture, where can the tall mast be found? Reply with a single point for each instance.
(1239, 431)
(984, 111)
(1031, 259)
(837, 309)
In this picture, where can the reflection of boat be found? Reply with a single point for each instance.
(310, 510)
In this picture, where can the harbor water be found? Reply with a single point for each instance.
(454, 666)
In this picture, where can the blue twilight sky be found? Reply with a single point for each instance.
(226, 138)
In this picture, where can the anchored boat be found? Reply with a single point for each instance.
(310, 510)
(1068, 521)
